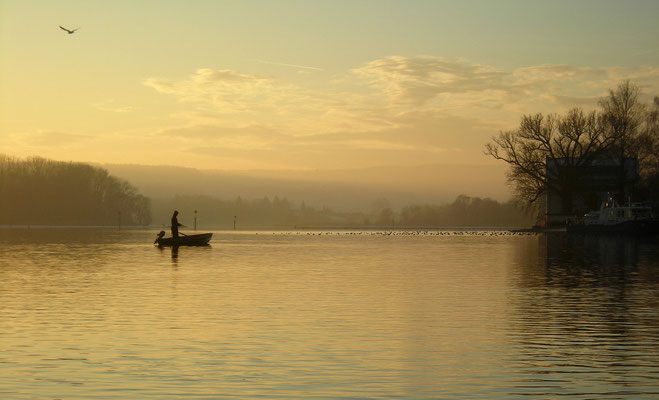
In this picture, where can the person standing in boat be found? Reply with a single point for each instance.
(175, 225)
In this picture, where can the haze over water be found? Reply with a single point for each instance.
(103, 314)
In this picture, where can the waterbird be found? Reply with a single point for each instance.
(69, 31)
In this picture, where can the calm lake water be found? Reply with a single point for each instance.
(100, 314)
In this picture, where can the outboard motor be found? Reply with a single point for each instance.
(160, 236)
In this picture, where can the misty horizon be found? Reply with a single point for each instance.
(345, 189)
(37, 191)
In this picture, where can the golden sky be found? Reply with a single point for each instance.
(305, 84)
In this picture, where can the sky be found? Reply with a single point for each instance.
(279, 85)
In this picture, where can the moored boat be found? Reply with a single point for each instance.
(635, 218)
(201, 239)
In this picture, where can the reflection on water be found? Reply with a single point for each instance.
(104, 314)
(173, 250)
(586, 318)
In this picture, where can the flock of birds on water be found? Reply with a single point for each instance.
(412, 233)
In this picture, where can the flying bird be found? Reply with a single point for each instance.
(69, 31)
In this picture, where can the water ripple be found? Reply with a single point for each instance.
(384, 315)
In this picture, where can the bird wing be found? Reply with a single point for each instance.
(61, 27)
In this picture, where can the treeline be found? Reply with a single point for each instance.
(37, 191)
(264, 213)
(468, 211)
(280, 213)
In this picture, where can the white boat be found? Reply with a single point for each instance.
(613, 217)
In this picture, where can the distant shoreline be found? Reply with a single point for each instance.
(412, 228)
(299, 228)
(38, 226)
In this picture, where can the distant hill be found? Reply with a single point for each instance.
(344, 190)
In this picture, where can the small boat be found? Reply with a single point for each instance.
(201, 239)
(634, 218)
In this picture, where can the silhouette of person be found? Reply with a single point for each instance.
(175, 225)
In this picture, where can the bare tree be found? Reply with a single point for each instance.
(648, 147)
(622, 128)
(624, 116)
(575, 138)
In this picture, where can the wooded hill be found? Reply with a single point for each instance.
(37, 191)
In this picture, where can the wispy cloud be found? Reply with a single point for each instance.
(247, 99)
(42, 138)
(289, 65)
(418, 107)
(418, 81)
(227, 91)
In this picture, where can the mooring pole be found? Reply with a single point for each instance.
(234, 222)
(195, 220)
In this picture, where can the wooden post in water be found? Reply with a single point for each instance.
(234, 222)
(195, 220)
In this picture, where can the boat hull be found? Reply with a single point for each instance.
(189, 240)
(637, 227)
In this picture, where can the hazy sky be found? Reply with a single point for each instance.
(304, 84)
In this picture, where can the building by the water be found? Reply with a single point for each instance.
(589, 184)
